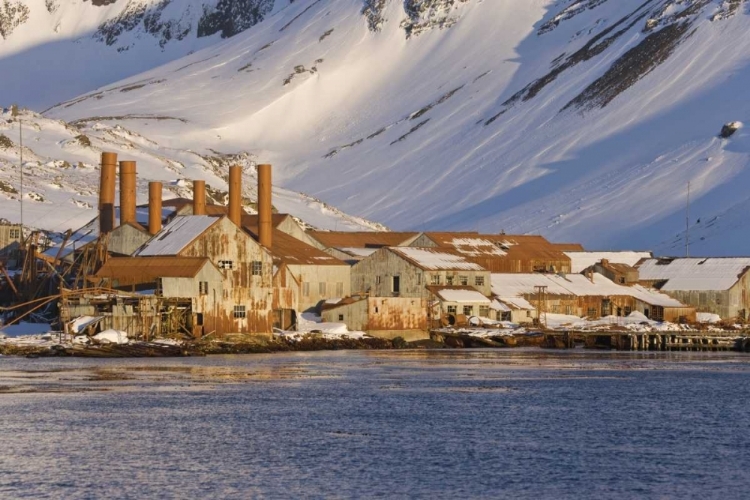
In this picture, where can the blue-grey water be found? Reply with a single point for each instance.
(402, 424)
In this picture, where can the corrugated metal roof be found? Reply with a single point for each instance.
(138, 270)
(90, 232)
(700, 274)
(516, 285)
(291, 251)
(436, 259)
(500, 246)
(362, 239)
(461, 294)
(569, 247)
(176, 235)
(583, 260)
(178, 204)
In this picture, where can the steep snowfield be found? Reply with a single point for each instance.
(581, 120)
(61, 174)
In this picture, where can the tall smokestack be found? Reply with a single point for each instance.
(199, 197)
(107, 192)
(235, 194)
(154, 207)
(264, 205)
(127, 192)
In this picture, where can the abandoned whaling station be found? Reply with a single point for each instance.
(191, 270)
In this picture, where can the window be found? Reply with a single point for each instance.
(341, 317)
(322, 288)
(627, 310)
(449, 279)
(592, 312)
(419, 279)
(556, 308)
(239, 312)
(435, 279)
(203, 287)
(528, 314)
(305, 289)
(468, 310)
(339, 289)
(377, 280)
(622, 280)
(451, 309)
(484, 311)
(257, 268)
(396, 285)
(226, 264)
(463, 280)
(199, 319)
(15, 233)
(568, 310)
(479, 280)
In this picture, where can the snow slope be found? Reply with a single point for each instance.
(581, 120)
(61, 174)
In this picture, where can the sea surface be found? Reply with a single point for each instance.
(384, 424)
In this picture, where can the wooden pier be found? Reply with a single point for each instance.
(649, 341)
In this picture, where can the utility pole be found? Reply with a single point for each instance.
(20, 136)
(687, 224)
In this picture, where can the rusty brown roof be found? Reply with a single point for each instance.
(291, 251)
(569, 247)
(180, 203)
(500, 246)
(137, 270)
(362, 239)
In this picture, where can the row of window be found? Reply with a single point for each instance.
(484, 311)
(435, 279)
(14, 234)
(322, 289)
(256, 266)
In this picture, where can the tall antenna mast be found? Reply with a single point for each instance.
(20, 135)
(687, 224)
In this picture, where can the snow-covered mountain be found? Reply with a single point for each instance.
(582, 120)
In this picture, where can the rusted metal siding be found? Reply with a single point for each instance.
(335, 279)
(384, 265)
(226, 242)
(354, 315)
(126, 239)
(396, 313)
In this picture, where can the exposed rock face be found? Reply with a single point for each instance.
(137, 14)
(12, 15)
(373, 12)
(423, 15)
(232, 16)
(729, 129)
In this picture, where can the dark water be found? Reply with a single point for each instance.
(456, 424)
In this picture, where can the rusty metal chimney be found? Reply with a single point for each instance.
(199, 197)
(235, 194)
(107, 193)
(154, 207)
(127, 192)
(265, 210)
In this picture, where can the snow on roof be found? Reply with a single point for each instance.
(475, 247)
(435, 259)
(90, 232)
(583, 260)
(517, 303)
(496, 305)
(177, 235)
(718, 273)
(357, 252)
(462, 296)
(508, 285)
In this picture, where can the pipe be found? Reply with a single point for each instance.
(154, 207)
(265, 210)
(107, 193)
(235, 194)
(199, 197)
(127, 192)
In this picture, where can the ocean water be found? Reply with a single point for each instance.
(401, 424)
